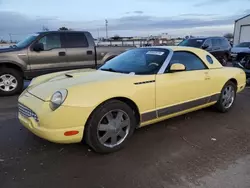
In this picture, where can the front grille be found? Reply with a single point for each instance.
(26, 112)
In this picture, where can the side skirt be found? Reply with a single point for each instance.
(161, 113)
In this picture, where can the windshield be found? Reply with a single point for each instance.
(192, 43)
(244, 44)
(138, 61)
(26, 41)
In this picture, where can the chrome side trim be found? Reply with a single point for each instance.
(178, 108)
(145, 82)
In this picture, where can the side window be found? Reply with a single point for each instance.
(208, 42)
(76, 40)
(216, 42)
(209, 59)
(51, 41)
(191, 61)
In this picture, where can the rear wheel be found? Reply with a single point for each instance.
(110, 126)
(11, 81)
(227, 97)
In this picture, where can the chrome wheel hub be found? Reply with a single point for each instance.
(8, 83)
(228, 96)
(113, 128)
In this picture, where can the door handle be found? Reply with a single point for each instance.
(89, 52)
(207, 77)
(61, 53)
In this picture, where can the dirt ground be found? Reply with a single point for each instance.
(203, 149)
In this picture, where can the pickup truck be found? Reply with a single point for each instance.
(51, 51)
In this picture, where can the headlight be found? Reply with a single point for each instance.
(58, 98)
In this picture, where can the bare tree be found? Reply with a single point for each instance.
(229, 35)
(63, 29)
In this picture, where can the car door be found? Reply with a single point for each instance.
(52, 58)
(180, 91)
(80, 54)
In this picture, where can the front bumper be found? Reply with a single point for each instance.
(52, 125)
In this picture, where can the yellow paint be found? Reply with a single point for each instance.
(89, 88)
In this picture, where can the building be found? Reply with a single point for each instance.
(242, 30)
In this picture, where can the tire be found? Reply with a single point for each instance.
(13, 80)
(220, 105)
(95, 135)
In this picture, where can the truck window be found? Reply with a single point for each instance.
(76, 40)
(51, 41)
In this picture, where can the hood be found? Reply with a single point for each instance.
(66, 80)
(240, 49)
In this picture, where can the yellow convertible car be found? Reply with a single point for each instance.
(141, 86)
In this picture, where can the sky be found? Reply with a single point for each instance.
(125, 17)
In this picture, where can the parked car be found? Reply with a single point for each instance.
(241, 48)
(139, 87)
(217, 46)
(243, 63)
(47, 52)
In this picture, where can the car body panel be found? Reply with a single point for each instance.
(237, 52)
(157, 96)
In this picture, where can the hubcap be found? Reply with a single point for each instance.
(8, 83)
(113, 128)
(228, 96)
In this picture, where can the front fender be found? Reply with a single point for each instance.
(91, 95)
(22, 66)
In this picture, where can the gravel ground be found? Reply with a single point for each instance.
(202, 149)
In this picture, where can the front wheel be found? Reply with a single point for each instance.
(227, 97)
(11, 81)
(110, 126)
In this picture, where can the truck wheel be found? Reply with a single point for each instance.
(110, 126)
(11, 82)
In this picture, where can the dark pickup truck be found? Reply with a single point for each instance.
(47, 52)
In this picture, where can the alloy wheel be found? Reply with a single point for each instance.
(113, 128)
(8, 82)
(228, 96)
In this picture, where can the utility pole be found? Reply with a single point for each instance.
(98, 34)
(10, 37)
(106, 24)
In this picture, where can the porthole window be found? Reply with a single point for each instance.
(209, 59)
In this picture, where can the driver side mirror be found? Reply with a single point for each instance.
(177, 67)
(38, 47)
(205, 46)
